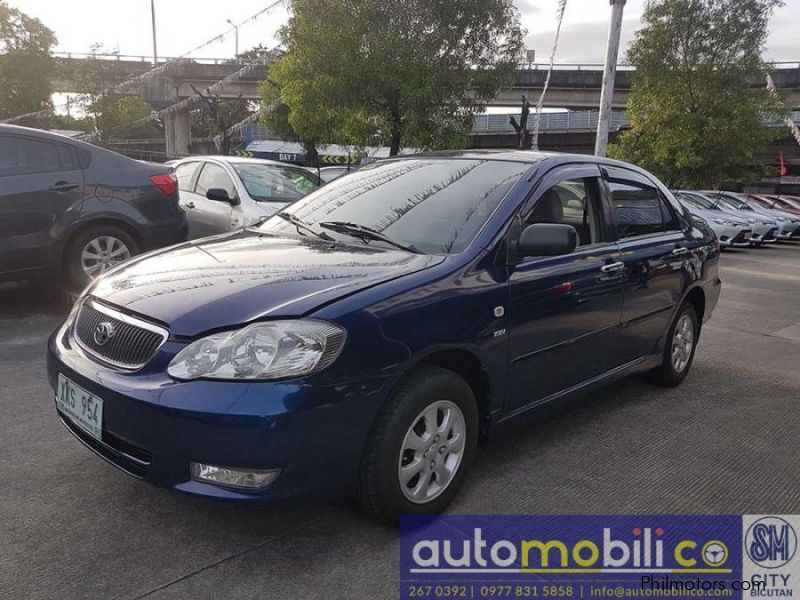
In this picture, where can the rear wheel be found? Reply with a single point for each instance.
(93, 252)
(679, 348)
(421, 447)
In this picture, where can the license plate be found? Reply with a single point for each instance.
(747, 235)
(80, 407)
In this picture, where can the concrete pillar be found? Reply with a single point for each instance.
(609, 77)
(178, 132)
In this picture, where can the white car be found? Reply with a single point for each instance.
(731, 231)
(225, 193)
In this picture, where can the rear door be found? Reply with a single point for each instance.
(208, 217)
(565, 310)
(654, 250)
(41, 190)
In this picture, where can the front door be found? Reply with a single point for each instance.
(564, 310)
(654, 250)
(208, 217)
(41, 190)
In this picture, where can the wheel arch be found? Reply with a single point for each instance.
(470, 368)
(123, 224)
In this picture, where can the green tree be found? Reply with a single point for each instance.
(26, 64)
(696, 120)
(407, 71)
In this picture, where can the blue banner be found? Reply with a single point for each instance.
(671, 556)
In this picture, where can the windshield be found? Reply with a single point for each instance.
(436, 205)
(733, 203)
(275, 183)
(699, 201)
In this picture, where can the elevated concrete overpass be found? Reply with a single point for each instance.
(576, 87)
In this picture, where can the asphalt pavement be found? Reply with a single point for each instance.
(724, 442)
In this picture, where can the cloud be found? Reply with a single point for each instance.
(527, 8)
(580, 43)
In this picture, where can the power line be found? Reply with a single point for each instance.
(170, 64)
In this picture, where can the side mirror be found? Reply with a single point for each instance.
(547, 239)
(221, 195)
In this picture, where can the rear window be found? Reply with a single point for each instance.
(639, 210)
(21, 156)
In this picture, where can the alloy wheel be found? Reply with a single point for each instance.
(432, 451)
(102, 253)
(682, 343)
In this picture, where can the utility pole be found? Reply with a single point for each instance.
(155, 43)
(609, 76)
(236, 30)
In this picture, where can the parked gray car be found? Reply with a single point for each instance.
(731, 230)
(69, 210)
(764, 227)
(788, 223)
(225, 193)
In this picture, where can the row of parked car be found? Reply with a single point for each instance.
(742, 220)
(69, 211)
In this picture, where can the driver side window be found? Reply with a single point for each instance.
(570, 203)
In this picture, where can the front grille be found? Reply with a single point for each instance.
(742, 236)
(770, 235)
(117, 339)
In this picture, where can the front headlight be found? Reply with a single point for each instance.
(270, 350)
(721, 222)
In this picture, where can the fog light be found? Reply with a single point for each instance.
(244, 479)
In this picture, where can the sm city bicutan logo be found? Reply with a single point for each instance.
(642, 550)
(770, 542)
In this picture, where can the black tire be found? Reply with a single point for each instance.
(667, 375)
(75, 280)
(379, 492)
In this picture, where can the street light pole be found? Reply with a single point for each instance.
(155, 43)
(236, 30)
(609, 76)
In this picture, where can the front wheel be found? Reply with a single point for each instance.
(679, 348)
(421, 447)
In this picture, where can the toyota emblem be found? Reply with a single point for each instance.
(103, 333)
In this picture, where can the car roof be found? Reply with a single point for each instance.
(524, 156)
(239, 160)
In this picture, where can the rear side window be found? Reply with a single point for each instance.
(23, 156)
(185, 173)
(640, 210)
(213, 176)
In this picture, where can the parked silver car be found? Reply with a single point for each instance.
(764, 227)
(731, 231)
(787, 222)
(225, 193)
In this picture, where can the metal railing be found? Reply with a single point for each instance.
(523, 66)
(140, 58)
(585, 120)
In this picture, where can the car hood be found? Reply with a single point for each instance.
(228, 280)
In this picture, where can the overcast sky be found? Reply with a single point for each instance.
(184, 24)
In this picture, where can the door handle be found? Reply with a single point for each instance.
(189, 205)
(680, 251)
(63, 186)
(614, 267)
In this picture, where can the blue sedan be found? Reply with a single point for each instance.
(367, 339)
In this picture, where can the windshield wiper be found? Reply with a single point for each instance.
(300, 224)
(365, 233)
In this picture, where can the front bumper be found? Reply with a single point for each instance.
(733, 236)
(153, 427)
(788, 231)
(763, 234)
